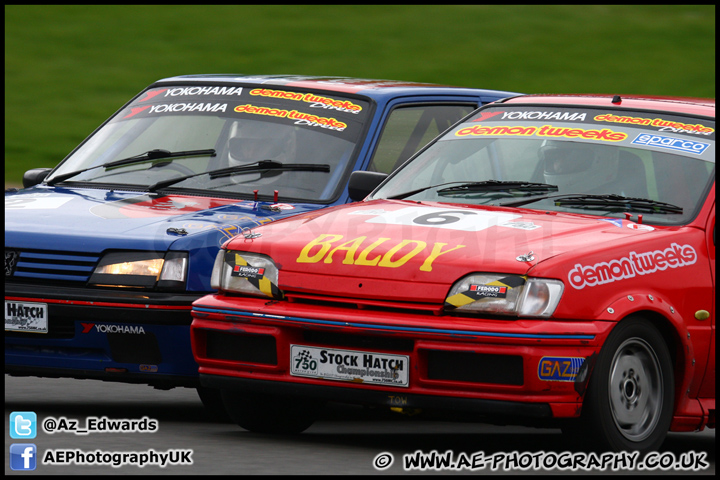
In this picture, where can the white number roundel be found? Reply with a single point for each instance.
(453, 219)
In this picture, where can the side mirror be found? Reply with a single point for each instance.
(35, 176)
(362, 183)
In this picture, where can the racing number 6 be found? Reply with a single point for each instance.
(441, 218)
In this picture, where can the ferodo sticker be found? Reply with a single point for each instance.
(247, 271)
(489, 291)
(643, 263)
(561, 369)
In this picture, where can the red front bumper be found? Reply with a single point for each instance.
(243, 343)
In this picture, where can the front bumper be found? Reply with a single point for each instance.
(534, 368)
(135, 337)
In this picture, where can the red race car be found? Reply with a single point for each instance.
(548, 259)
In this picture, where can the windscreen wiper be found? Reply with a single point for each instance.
(610, 201)
(620, 203)
(484, 186)
(261, 166)
(498, 186)
(143, 157)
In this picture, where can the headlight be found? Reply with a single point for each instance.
(243, 272)
(142, 270)
(500, 294)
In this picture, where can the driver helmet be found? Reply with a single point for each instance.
(253, 141)
(577, 167)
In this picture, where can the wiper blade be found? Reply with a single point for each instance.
(270, 165)
(499, 185)
(621, 203)
(612, 201)
(485, 186)
(261, 166)
(143, 157)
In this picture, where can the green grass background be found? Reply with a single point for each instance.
(69, 67)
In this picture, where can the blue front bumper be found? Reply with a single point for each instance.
(117, 336)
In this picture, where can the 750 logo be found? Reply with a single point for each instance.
(305, 361)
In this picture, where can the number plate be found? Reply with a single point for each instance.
(349, 365)
(26, 317)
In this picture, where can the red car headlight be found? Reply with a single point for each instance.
(499, 294)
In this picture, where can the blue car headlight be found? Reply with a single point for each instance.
(141, 270)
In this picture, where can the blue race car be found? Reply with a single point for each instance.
(105, 253)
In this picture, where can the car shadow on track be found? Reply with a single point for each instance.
(381, 430)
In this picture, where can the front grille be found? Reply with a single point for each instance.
(427, 309)
(50, 265)
(250, 348)
(474, 367)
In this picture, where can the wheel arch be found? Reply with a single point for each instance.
(672, 328)
(673, 340)
(632, 421)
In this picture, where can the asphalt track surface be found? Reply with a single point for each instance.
(345, 440)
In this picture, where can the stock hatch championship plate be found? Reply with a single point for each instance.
(26, 317)
(349, 365)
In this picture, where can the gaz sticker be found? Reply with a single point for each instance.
(562, 369)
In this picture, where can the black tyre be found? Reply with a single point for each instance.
(270, 414)
(629, 402)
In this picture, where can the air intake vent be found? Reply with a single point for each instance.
(474, 367)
